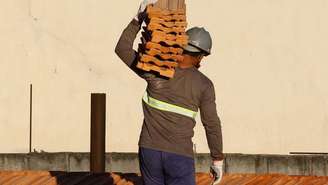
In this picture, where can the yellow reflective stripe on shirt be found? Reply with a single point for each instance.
(158, 104)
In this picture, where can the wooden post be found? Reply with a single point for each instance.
(98, 133)
(31, 96)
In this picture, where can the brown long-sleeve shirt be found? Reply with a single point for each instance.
(168, 131)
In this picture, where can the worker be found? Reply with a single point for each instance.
(170, 106)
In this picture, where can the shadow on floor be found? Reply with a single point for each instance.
(85, 178)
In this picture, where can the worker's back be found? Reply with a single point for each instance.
(169, 131)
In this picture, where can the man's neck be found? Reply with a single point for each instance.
(184, 65)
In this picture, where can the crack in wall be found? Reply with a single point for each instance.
(30, 11)
(42, 30)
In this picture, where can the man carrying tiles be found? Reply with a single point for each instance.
(170, 106)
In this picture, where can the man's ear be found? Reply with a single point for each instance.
(181, 58)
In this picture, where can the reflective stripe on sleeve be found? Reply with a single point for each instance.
(158, 104)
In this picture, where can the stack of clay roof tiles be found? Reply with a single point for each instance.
(163, 37)
(83, 178)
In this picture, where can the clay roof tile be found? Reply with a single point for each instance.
(85, 178)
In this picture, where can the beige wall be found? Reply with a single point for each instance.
(269, 66)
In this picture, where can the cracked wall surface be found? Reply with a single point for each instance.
(269, 66)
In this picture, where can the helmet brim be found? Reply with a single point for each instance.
(195, 49)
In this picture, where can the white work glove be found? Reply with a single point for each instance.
(217, 171)
(141, 12)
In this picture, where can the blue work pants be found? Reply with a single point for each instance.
(163, 168)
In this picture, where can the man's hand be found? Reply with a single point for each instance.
(141, 12)
(217, 172)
